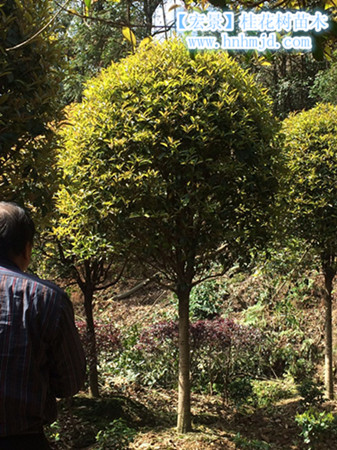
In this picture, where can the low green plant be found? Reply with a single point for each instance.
(54, 431)
(255, 315)
(206, 300)
(290, 354)
(313, 424)
(267, 392)
(302, 289)
(301, 368)
(117, 437)
(312, 392)
(240, 390)
(287, 313)
(69, 430)
(125, 363)
(254, 444)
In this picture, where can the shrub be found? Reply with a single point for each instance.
(267, 392)
(220, 349)
(244, 443)
(288, 352)
(129, 360)
(108, 338)
(116, 437)
(240, 390)
(223, 350)
(157, 347)
(314, 423)
(206, 300)
(301, 368)
(311, 392)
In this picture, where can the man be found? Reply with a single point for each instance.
(41, 356)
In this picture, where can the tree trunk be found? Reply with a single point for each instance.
(91, 351)
(184, 389)
(328, 278)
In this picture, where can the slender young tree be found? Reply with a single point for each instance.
(83, 254)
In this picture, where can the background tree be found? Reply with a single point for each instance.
(177, 150)
(83, 252)
(325, 83)
(311, 197)
(30, 75)
(93, 37)
(288, 78)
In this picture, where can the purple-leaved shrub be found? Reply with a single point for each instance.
(108, 338)
(223, 333)
(221, 349)
(153, 337)
(218, 333)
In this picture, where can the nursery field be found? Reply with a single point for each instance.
(210, 175)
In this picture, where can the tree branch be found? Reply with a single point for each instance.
(22, 44)
(136, 288)
(209, 277)
(119, 24)
(115, 281)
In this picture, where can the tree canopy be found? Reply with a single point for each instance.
(311, 143)
(162, 123)
(325, 83)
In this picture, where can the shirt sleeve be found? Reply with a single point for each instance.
(67, 360)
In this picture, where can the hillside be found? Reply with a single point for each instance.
(290, 313)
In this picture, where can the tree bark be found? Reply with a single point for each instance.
(184, 390)
(92, 350)
(328, 278)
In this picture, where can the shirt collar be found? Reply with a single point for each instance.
(8, 264)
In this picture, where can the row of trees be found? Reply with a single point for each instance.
(174, 160)
(170, 161)
(182, 188)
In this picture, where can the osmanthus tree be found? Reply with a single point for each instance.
(30, 74)
(311, 197)
(81, 252)
(176, 154)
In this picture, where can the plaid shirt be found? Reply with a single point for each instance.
(41, 356)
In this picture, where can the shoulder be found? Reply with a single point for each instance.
(37, 283)
(45, 285)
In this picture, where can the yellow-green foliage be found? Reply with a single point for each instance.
(173, 151)
(29, 82)
(311, 151)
